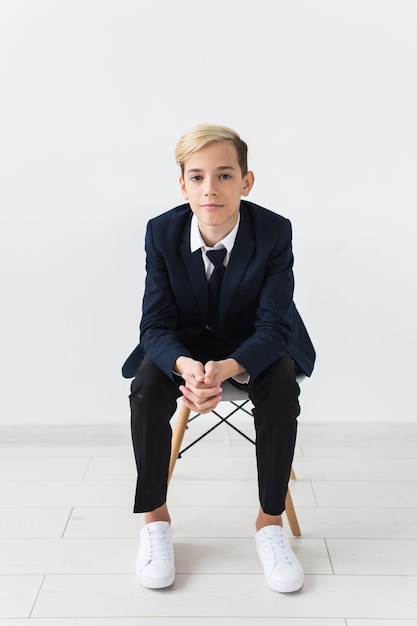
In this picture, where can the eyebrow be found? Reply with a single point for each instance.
(221, 168)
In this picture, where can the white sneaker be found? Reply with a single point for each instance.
(283, 571)
(155, 564)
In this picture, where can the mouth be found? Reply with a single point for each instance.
(212, 206)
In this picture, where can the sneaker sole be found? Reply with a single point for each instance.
(154, 583)
(284, 588)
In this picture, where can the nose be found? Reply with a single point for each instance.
(210, 186)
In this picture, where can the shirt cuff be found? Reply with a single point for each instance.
(242, 378)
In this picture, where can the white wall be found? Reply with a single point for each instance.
(94, 96)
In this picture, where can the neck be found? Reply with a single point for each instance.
(213, 234)
(210, 239)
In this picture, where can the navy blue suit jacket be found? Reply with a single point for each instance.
(257, 314)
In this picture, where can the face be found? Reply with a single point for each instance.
(213, 185)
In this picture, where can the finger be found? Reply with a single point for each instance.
(202, 404)
(212, 373)
(202, 389)
(202, 408)
(192, 381)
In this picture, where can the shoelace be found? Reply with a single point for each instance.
(157, 545)
(279, 548)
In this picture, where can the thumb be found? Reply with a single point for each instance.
(199, 372)
(210, 371)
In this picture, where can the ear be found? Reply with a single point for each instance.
(247, 183)
(183, 188)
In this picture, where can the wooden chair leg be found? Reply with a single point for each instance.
(291, 515)
(177, 437)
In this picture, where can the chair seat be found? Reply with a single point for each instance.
(231, 393)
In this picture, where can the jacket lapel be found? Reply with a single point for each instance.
(242, 253)
(195, 269)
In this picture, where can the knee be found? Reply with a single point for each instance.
(146, 396)
(277, 391)
(152, 391)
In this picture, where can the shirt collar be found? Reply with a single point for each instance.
(197, 242)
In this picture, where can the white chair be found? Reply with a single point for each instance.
(239, 399)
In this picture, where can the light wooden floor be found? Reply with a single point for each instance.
(68, 539)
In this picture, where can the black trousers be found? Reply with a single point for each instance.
(274, 395)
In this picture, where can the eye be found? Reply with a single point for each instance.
(197, 178)
(225, 177)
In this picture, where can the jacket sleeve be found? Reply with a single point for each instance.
(157, 329)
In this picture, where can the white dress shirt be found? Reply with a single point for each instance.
(197, 242)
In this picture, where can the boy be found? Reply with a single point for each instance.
(218, 305)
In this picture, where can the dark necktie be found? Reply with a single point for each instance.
(215, 286)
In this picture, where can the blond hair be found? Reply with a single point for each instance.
(203, 134)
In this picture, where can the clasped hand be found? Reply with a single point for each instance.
(202, 389)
